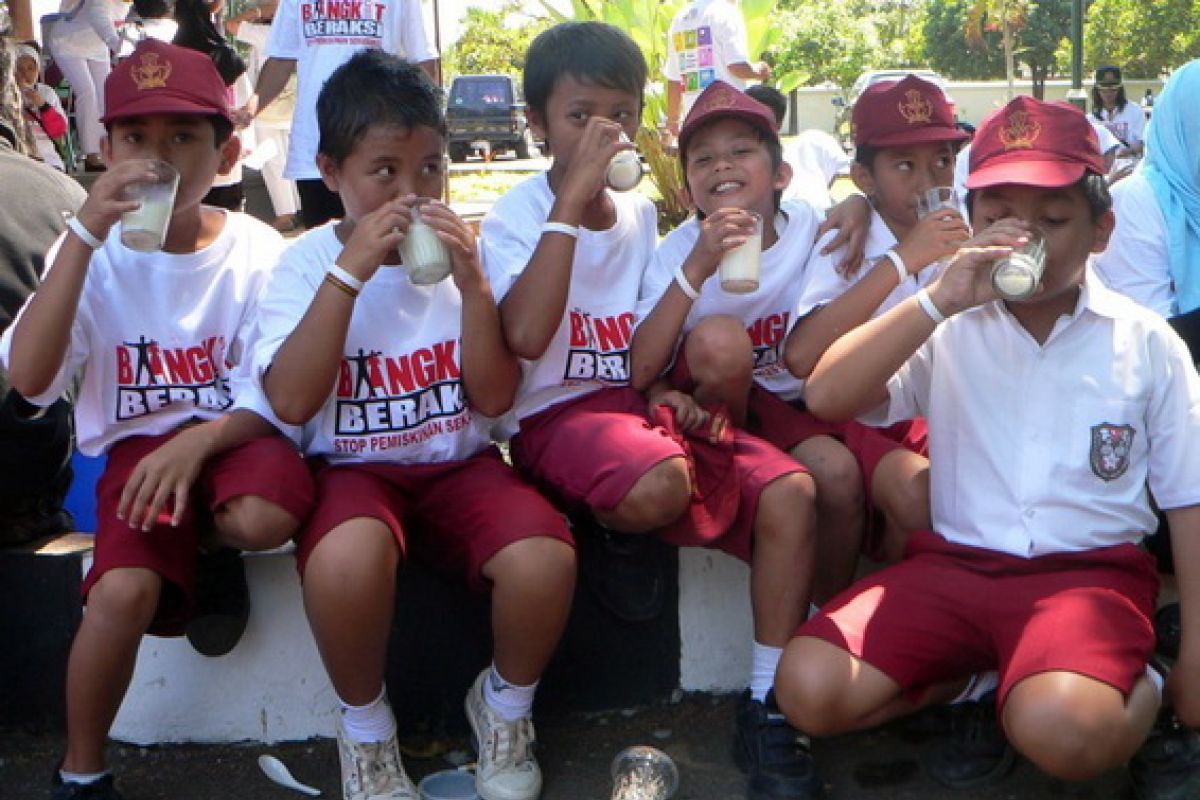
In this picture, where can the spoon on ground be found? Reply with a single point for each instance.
(278, 772)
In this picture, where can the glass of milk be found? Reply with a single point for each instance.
(739, 267)
(625, 170)
(145, 228)
(1016, 276)
(938, 197)
(423, 253)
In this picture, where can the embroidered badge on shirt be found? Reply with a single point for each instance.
(1110, 449)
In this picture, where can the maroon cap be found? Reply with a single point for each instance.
(908, 111)
(722, 100)
(1033, 143)
(161, 78)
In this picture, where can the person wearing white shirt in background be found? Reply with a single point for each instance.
(815, 157)
(706, 42)
(148, 19)
(313, 38)
(252, 27)
(1110, 106)
(82, 39)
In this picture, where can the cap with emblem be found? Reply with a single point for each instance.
(1108, 76)
(1034, 143)
(721, 99)
(904, 112)
(161, 78)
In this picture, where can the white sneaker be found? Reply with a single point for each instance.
(507, 769)
(372, 770)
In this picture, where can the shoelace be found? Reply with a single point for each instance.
(510, 743)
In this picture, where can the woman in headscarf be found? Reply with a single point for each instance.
(1154, 253)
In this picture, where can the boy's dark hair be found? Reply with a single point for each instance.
(772, 98)
(1098, 104)
(374, 88)
(222, 128)
(154, 9)
(1093, 186)
(592, 52)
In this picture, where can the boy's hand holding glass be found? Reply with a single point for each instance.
(933, 238)
(721, 232)
(452, 250)
(966, 281)
(109, 198)
(375, 238)
(586, 175)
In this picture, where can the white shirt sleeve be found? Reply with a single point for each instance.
(1173, 423)
(285, 40)
(657, 278)
(908, 390)
(1136, 261)
(729, 33)
(508, 236)
(413, 38)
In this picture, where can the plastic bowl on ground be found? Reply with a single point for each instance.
(449, 784)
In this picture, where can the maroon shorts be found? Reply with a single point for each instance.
(453, 516)
(591, 451)
(948, 611)
(268, 467)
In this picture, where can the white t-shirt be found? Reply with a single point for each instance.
(816, 159)
(160, 337)
(1127, 124)
(46, 149)
(1049, 449)
(1136, 261)
(590, 349)
(704, 39)
(768, 312)
(399, 394)
(321, 35)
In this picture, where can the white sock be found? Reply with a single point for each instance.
(1156, 678)
(373, 722)
(980, 684)
(83, 778)
(510, 701)
(762, 670)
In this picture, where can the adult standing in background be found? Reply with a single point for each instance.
(313, 38)
(706, 42)
(1112, 108)
(82, 39)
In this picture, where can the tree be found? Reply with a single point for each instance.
(951, 52)
(1049, 24)
(493, 41)
(1145, 39)
(821, 42)
(1008, 16)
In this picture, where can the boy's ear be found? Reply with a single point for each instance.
(537, 122)
(329, 172)
(684, 196)
(1102, 230)
(783, 176)
(106, 150)
(863, 179)
(231, 151)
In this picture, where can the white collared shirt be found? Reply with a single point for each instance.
(1038, 449)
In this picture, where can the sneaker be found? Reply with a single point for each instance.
(506, 768)
(222, 602)
(978, 753)
(623, 571)
(103, 789)
(372, 770)
(776, 756)
(1167, 767)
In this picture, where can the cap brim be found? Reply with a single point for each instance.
(920, 136)
(164, 103)
(748, 117)
(1044, 174)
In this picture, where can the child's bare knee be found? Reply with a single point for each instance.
(127, 596)
(809, 691)
(253, 523)
(1066, 738)
(834, 469)
(657, 499)
(790, 498)
(538, 560)
(719, 349)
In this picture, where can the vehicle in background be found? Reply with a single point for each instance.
(485, 114)
(842, 125)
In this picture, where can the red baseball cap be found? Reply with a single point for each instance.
(1034, 143)
(161, 78)
(721, 99)
(907, 111)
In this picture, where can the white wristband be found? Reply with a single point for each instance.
(684, 286)
(85, 236)
(561, 227)
(345, 277)
(898, 263)
(926, 303)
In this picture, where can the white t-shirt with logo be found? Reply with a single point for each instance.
(590, 349)
(160, 337)
(768, 312)
(704, 39)
(321, 35)
(816, 159)
(399, 396)
(1127, 124)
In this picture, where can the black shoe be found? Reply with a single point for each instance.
(222, 602)
(1167, 767)
(103, 789)
(1168, 630)
(623, 570)
(977, 753)
(775, 755)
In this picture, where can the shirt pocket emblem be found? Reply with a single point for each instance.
(1110, 449)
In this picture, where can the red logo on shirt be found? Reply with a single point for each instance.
(151, 377)
(599, 348)
(766, 337)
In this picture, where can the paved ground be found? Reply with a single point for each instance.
(575, 753)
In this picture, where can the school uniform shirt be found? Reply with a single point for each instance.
(816, 159)
(1054, 448)
(590, 348)
(1127, 124)
(703, 40)
(1136, 260)
(768, 312)
(823, 283)
(398, 396)
(160, 338)
(320, 36)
